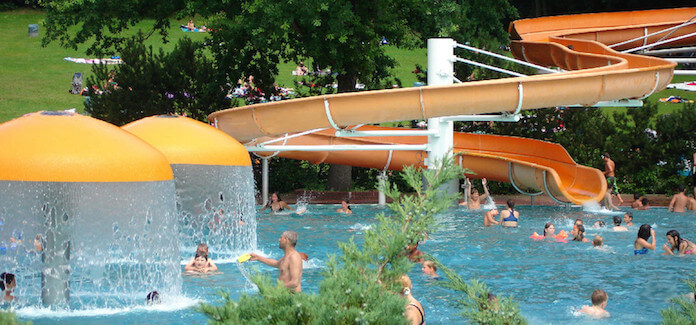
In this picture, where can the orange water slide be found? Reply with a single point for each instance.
(577, 44)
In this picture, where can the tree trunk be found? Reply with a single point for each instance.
(340, 175)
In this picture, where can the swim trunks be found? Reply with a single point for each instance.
(612, 181)
(640, 251)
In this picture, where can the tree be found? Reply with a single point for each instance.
(149, 83)
(252, 37)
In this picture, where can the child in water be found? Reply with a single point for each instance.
(7, 284)
(200, 263)
(599, 302)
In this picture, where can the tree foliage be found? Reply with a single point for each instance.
(153, 82)
(9, 318)
(683, 309)
(359, 283)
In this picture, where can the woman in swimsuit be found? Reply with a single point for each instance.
(509, 217)
(675, 241)
(7, 284)
(549, 230)
(577, 222)
(414, 310)
(276, 204)
(641, 244)
(580, 234)
(345, 207)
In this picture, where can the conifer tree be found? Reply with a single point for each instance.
(683, 309)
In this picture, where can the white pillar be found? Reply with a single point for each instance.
(264, 180)
(440, 72)
(382, 179)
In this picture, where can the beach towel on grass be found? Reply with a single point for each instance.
(688, 85)
(94, 61)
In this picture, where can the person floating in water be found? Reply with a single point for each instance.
(617, 224)
(276, 204)
(599, 224)
(597, 241)
(679, 201)
(599, 303)
(628, 219)
(474, 202)
(576, 223)
(580, 234)
(429, 268)
(200, 262)
(290, 265)
(641, 244)
(509, 217)
(489, 217)
(7, 284)
(676, 242)
(345, 207)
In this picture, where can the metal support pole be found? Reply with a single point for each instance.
(382, 179)
(264, 180)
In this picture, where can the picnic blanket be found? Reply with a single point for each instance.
(195, 30)
(94, 61)
(688, 85)
(675, 99)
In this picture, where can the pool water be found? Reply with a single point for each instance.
(549, 280)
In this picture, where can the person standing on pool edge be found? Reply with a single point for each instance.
(290, 265)
(609, 173)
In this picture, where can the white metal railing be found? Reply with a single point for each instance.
(669, 40)
(644, 37)
(503, 57)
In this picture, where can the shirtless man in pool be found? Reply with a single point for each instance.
(474, 202)
(290, 265)
(679, 201)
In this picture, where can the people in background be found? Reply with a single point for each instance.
(580, 234)
(345, 207)
(276, 204)
(474, 202)
(628, 219)
(645, 204)
(679, 201)
(637, 203)
(7, 284)
(617, 224)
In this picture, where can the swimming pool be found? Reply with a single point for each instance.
(548, 280)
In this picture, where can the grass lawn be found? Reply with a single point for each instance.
(36, 78)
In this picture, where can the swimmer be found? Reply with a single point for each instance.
(489, 218)
(345, 207)
(597, 241)
(617, 224)
(276, 204)
(641, 244)
(645, 204)
(549, 230)
(637, 203)
(628, 219)
(153, 298)
(509, 217)
(676, 242)
(7, 284)
(475, 200)
(38, 243)
(575, 227)
(679, 201)
(599, 224)
(429, 268)
(580, 234)
(599, 303)
(290, 265)
(200, 264)
(414, 310)
(414, 254)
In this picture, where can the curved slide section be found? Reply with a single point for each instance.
(533, 166)
(577, 44)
